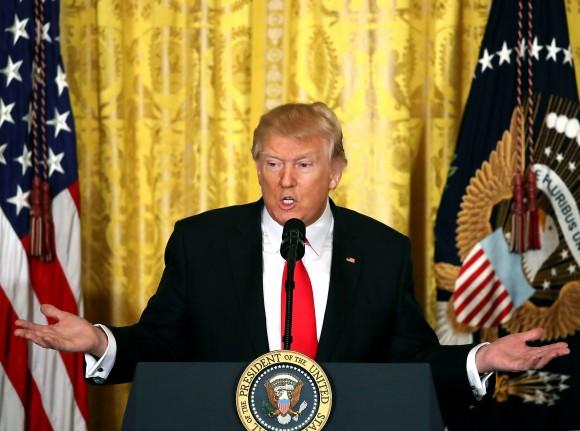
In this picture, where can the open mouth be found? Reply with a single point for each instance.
(288, 202)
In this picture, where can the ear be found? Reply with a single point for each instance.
(336, 173)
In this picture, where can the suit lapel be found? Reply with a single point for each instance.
(245, 249)
(345, 269)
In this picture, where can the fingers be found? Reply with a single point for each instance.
(38, 336)
(52, 312)
(543, 360)
(31, 336)
(555, 347)
(26, 327)
(544, 354)
(25, 324)
(539, 357)
(532, 334)
(48, 310)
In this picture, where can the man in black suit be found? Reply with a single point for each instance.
(220, 295)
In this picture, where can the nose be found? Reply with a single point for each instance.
(287, 178)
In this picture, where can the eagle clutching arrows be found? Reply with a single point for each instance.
(284, 401)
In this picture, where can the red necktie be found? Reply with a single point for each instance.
(303, 317)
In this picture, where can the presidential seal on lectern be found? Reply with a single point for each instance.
(283, 390)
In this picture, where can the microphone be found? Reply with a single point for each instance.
(292, 247)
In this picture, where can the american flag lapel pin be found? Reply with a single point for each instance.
(351, 259)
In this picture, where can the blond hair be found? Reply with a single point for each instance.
(300, 121)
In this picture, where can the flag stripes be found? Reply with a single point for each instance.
(49, 374)
(480, 299)
(10, 399)
(17, 380)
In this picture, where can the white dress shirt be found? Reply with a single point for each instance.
(317, 260)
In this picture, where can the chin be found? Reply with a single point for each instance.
(283, 218)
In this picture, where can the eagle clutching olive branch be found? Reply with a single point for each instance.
(284, 402)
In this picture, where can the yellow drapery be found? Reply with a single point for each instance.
(166, 94)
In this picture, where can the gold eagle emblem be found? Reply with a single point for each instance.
(293, 396)
(489, 188)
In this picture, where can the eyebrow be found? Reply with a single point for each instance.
(299, 157)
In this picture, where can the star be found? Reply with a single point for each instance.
(45, 30)
(59, 122)
(571, 269)
(18, 29)
(28, 117)
(536, 49)
(5, 112)
(54, 162)
(2, 149)
(25, 159)
(564, 254)
(559, 157)
(567, 55)
(552, 50)
(504, 54)
(485, 61)
(548, 151)
(12, 71)
(60, 80)
(20, 199)
(553, 272)
(572, 166)
(546, 285)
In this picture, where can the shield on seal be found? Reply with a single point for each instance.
(284, 405)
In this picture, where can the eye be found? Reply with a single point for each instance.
(304, 164)
(272, 164)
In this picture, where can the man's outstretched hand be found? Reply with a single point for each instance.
(511, 353)
(70, 333)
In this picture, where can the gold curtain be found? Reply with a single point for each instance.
(166, 94)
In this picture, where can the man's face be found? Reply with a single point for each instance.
(296, 176)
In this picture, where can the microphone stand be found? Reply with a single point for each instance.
(289, 286)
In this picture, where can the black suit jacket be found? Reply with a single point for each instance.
(209, 305)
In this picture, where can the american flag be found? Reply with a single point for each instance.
(490, 285)
(39, 389)
(480, 299)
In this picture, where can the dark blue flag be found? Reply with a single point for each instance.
(548, 399)
(492, 99)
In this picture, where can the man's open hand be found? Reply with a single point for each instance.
(511, 353)
(70, 333)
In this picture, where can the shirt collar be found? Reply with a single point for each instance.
(316, 234)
